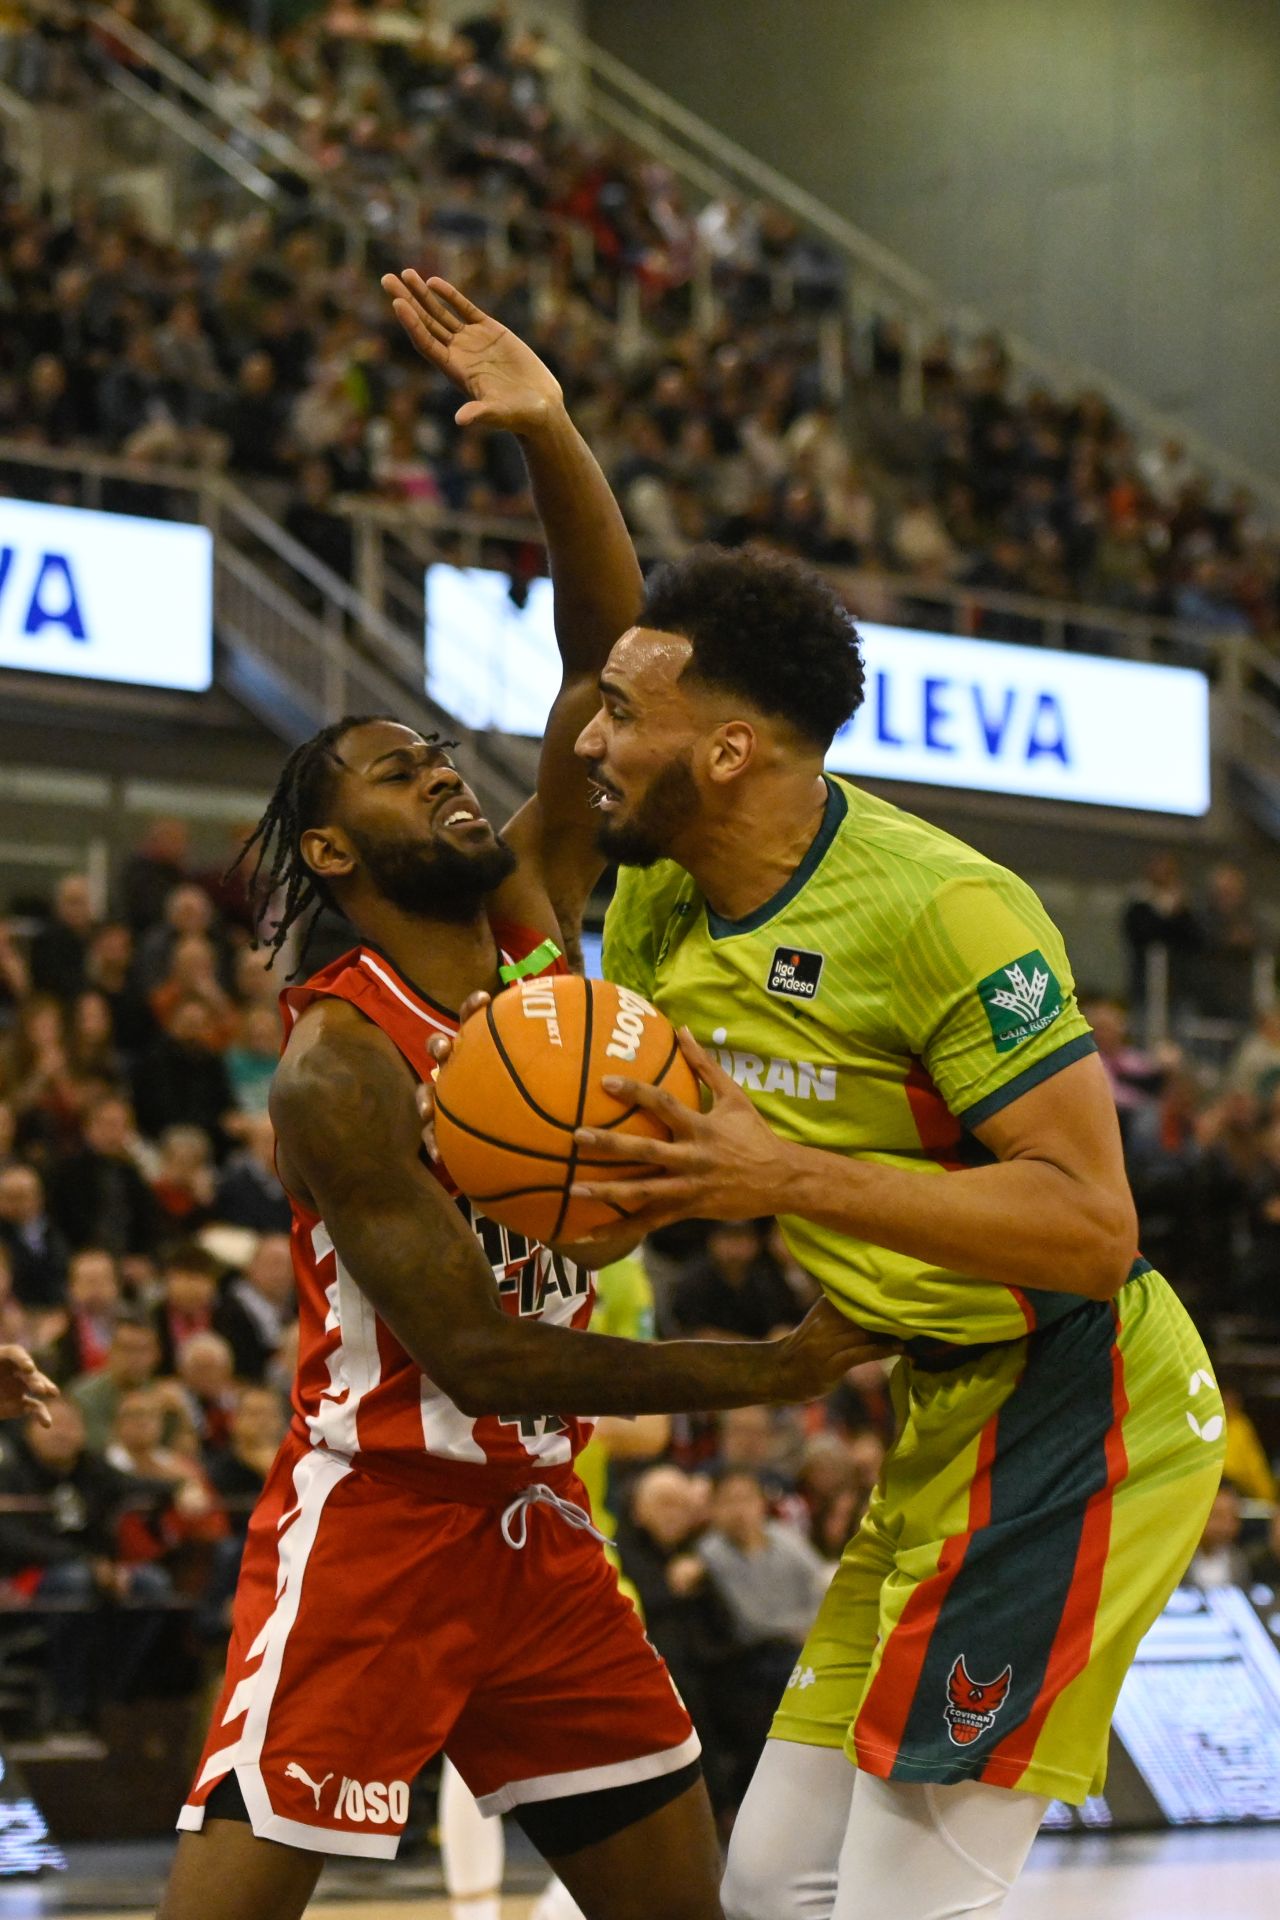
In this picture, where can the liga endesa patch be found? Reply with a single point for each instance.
(794, 974)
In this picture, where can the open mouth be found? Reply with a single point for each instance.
(604, 798)
(459, 814)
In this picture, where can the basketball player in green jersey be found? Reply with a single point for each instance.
(887, 1025)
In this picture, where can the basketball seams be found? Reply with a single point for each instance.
(508, 1146)
(561, 1126)
(588, 1035)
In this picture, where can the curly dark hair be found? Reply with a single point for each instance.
(766, 628)
(301, 799)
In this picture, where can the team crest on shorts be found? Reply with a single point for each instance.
(972, 1705)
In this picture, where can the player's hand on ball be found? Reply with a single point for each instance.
(440, 1046)
(505, 382)
(818, 1354)
(23, 1388)
(724, 1163)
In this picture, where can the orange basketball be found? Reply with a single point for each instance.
(525, 1073)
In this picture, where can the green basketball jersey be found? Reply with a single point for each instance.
(900, 989)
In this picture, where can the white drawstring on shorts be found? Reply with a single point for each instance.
(515, 1520)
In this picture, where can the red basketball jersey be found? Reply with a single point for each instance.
(357, 1392)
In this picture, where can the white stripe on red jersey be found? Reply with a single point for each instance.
(357, 1393)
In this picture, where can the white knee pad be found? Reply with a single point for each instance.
(932, 1853)
(787, 1838)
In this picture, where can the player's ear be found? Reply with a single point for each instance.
(327, 852)
(731, 749)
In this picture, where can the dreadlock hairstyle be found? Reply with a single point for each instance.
(301, 800)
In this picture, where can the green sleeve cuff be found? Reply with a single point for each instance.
(1040, 1070)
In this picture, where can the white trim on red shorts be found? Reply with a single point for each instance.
(314, 1479)
(558, 1786)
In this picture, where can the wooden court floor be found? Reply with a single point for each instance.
(1173, 1877)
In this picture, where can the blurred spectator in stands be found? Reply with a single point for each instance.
(1219, 1560)
(1255, 1070)
(253, 1057)
(238, 1471)
(183, 1184)
(60, 949)
(91, 1045)
(37, 1250)
(761, 1442)
(16, 1324)
(180, 1081)
(683, 1615)
(314, 523)
(254, 418)
(109, 971)
(258, 1306)
(1168, 470)
(770, 1582)
(206, 1374)
(68, 1552)
(133, 1360)
(81, 1344)
(1245, 1465)
(735, 1291)
(188, 914)
(249, 1190)
(8, 1134)
(1224, 972)
(192, 1513)
(257, 984)
(153, 872)
(1264, 1561)
(804, 1288)
(1164, 1154)
(1136, 1077)
(1160, 915)
(189, 1295)
(99, 1195)
(35, 1072)
(15, 979)
(1261, 1290)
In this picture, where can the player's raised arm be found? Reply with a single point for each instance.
(594, 570)
(348, 1143)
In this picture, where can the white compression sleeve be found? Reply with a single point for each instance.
(810, 1823)
(472, 1848)
(933, 1853)
(788, 1835)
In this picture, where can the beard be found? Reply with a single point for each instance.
(435, 880)
(668, 806)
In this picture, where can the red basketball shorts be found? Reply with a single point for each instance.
(373, 1627)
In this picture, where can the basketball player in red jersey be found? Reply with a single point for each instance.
(421, 1572)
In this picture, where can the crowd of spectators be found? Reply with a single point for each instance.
(258, 338)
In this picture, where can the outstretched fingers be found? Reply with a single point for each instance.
(464, 312)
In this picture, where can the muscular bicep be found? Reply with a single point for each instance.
(343, 1106)
(1067, 1121)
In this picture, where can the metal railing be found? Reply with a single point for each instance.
(297, 643)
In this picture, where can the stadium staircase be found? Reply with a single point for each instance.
(298, 644)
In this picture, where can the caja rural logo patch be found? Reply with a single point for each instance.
(794, 974)
(972, 1705)
(1020, 1000)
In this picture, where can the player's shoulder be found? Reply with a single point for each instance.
(906, 859)
(641, 891)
